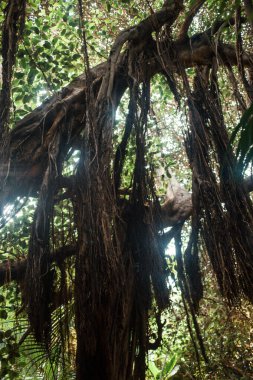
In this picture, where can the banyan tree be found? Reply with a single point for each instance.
(117, 251)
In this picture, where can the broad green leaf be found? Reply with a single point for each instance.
(169, 366)
(153, 369)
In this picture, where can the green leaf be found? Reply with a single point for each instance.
(1, 335)
(36, 30)
(47, 45)
(108, 7)
(3, 314)
(7, 333)
(76, 56)
(31, 75)
(153, 369)
(244, 129)
(19, 75)
(242, 123)
(169, 366)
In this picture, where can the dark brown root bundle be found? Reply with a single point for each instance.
(12, 31)
(39, 279)
(222, 208)
(120, 264)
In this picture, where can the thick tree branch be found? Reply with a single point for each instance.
(137, 36)
(15, 271)
(177, 206)
(22, 173)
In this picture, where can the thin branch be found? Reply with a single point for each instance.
(189, 18)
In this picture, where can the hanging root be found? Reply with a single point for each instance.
(13, 26)
(39, 280)
(223, 210)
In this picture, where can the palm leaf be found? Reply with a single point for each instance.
(244, 131)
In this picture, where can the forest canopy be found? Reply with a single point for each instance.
(126, 215)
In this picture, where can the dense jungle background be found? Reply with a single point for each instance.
(126, 132)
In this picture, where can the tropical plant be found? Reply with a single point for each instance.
(88, 283)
